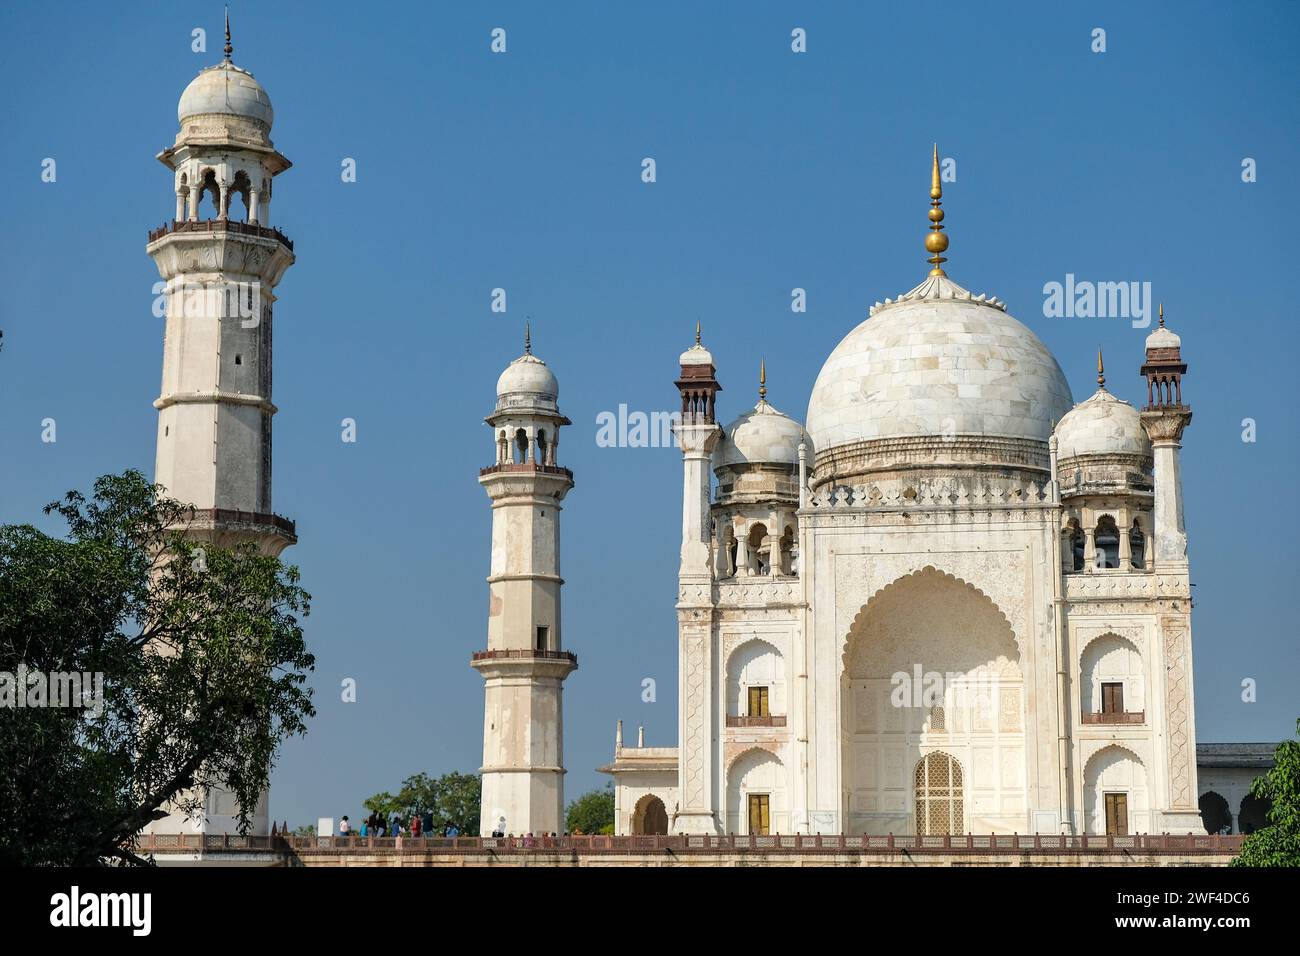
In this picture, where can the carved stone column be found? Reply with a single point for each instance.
(1165, 427)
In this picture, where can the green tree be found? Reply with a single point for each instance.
(450, 800)
(593, 812)
(1278, 844)
(203, 661)
(459, 801)
(384, 804)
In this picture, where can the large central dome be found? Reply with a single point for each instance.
(938, 362)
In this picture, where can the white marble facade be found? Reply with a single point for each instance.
(956, 602)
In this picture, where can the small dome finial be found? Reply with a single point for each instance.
(528, 339)
(1101, 371)
(697, 331)
(229, 49)
(762, 380)
(1162, 315)
(936, 242)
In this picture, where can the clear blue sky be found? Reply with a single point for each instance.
(522, 171)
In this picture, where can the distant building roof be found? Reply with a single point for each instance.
(642, 760)
(1235, 755)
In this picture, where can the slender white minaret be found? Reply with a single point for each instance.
(697, 434)
(524, 666)
(215, 409)
(1164, 418)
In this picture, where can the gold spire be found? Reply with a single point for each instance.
(528, 339)
(936, 242)
(697, 331)
(229, 48)
(1101, 371)
(762, 380)
(1162, 315)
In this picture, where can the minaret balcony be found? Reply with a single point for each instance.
(228, 526)
(505, 662)
(526, 468)
(526, 654)
(218, 226)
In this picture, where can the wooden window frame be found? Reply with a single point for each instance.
(1116, 821)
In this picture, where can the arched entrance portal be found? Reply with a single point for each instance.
(650, 816)
(933, 713)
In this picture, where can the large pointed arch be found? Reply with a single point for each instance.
(861, 617)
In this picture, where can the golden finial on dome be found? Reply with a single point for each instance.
(229, 49)
(936, 242)
(528, 339)
(762, 380)
(1101, 371)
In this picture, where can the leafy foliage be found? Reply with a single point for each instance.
(203, 661)
(593, 812)
(451, 800)
(1278, 844)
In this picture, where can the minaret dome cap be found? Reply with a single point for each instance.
(226, 90)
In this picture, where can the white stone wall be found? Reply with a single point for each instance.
(632, 787)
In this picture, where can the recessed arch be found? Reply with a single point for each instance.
(938, 576)
(753, 667)
(931, 661)
(1215, 812)
(1109, 659)
(1115, 783)
(756, 793)
(1105, 542)
(1252, 815)
(650, 816)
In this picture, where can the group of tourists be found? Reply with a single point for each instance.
(420, 824)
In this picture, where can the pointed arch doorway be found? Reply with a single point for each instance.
(650, 816)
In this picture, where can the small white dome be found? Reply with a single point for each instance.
(528, 375)
(1102, 425)
(228, 90)
(762, 436)
(697, 354)
(1163, 338)
(937, 361)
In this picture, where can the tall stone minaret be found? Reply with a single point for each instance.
(220, 266)
(697, 434)
(1164, 418)
(524, 666)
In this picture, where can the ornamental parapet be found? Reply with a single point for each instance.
(933, 493)
(220, 225)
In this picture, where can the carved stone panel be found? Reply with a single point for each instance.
(1177, 706)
